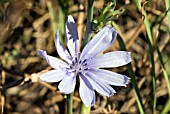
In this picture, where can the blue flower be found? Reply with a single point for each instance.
(86, 65)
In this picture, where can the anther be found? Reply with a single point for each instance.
(79, 61)
(73, 62)
(85, 64)
(86, 69)
(76, 59)
(84, 60)
(79, 73)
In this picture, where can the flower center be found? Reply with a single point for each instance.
(78, 66)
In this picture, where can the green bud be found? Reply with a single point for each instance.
(106, 15)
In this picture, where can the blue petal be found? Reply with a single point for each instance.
(110, 77)
(86, 92)
(67, 85)
(53, 76)
(100, 86)
(101, 41)
(52, 61)
(71, 36)
(63, 53)
(111, 59)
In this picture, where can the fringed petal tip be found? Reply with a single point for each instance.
(52, 61)
(113, 30)
(70, 18)
(56, 36)
(111, 94)
(42, 53)
(127, 80)
(129, 56)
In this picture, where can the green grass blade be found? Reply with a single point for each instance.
(164, 71)
(166, 107)
(133, 80)
(148, 30)
(131, 73)
(151, 50)
(52, 16)
(55, 24)
(167, 3)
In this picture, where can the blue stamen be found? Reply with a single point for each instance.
(85, 64)
(79, 73)
(84, 60)
(79, 61)
(86, 69)
(72, 62)
(76, 59)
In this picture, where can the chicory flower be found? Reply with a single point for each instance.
(86, 65)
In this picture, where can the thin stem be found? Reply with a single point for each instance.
(89, 22)
(84, 109)
(70, 103)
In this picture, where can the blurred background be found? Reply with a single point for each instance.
(29, 25)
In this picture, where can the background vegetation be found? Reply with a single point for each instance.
(29, 25)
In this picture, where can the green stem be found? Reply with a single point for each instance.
(70, 103)
(84, 109)
(89, 22)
